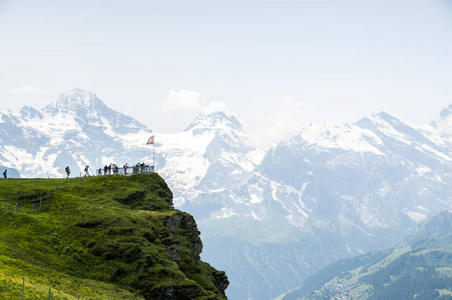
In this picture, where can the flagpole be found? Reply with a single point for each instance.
(151, 140)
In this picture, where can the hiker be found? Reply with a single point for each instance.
(115, 169)
(4, 174)
(135, 168)
(86, 171)
(109, 169)
(105, 170)
(125, 168)
(99, 171)
(68, 171)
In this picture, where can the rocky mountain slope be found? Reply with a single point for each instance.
(269, 218)
(109, 237)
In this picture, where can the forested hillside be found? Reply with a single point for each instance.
(419, 268)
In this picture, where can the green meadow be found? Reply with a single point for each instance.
(108, 237)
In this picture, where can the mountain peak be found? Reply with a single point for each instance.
(214, 120)
(29, 112)
(385, 120)
(444, 124)
(75, 100)
(386, 116)
(445, 113)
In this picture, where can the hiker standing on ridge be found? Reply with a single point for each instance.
(4, 174)
(68, 171)
(86, 171)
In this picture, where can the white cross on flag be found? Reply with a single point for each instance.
(151, 140)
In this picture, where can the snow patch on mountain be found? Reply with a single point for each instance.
(184, 162)
(423, 170)
(432, 152)
(416, 216)
(348, 137)
(385, 125)
(223, 213)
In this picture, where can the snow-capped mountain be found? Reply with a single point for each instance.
(268, 218)
(208, 149)
(75, 130)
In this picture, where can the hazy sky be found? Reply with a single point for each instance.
(269, 62)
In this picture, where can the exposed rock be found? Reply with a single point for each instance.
(186, 223)
(183, 229)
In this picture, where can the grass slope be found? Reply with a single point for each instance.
(109, 237)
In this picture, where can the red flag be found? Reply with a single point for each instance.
(151, 140)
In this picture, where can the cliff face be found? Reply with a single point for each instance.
(114, 230)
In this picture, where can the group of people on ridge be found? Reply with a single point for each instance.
(111, 169)
(107, 169)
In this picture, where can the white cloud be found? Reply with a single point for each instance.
(184, 100)
(30, 90)
(192, 102)
(280, 124)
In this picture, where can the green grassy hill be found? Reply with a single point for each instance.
(109, 237)
(420, 268)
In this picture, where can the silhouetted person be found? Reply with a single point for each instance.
(68, 171)
(4, 174)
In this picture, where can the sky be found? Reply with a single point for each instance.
(275, 65)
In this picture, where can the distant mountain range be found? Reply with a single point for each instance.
(269, 217)
(418, 268)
